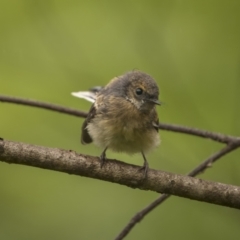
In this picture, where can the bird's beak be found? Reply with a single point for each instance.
(155, 101)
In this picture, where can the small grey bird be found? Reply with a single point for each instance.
(123, 116)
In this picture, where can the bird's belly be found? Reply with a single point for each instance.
(126, 137)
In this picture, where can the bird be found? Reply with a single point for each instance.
(123, 116)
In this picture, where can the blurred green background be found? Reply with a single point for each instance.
(51, 48)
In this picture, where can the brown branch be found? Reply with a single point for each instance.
(169, 127)
(138, 217)
(219, 137)
(230, 140)
(119, 172)
(44, 105)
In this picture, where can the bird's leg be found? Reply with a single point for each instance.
(103, 157)
(145, 166)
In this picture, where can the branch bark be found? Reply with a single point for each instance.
(119, 172)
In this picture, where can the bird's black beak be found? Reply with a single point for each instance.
(155, 101)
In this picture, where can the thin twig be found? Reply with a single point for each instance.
(164, 126)
(200, 168)
(219, 137)
(209, 161)
(44, 105)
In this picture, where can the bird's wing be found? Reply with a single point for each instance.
(155, 122)
(85, 137)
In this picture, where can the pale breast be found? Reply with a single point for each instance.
(123, 135)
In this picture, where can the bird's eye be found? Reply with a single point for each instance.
(139, 91)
